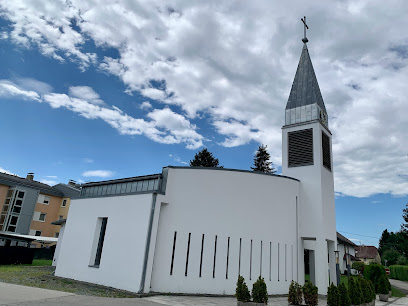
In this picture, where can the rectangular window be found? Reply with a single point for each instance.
(326, 151)
(100, 241)
(42, 217)
(300, 148)
(201, 256)
(46, 200)
(173, 252)
(60, 217)
(37, 233)
(188, 253)
(215, 255)
(56, 235)
(64, 203)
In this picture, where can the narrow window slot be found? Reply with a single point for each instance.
(278, 262)
(215, 255)
(270, 261)
(228, 247)
(188, 252)
(201, 256)
(250, 262)
(286, 262)
(239, 258)
(100, 242)
(291, 250)
(260, 266)
(172, 255)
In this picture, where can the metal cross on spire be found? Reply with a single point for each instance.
(304, 39)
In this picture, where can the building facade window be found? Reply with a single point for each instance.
(10, 212)
(60, 217)
(42, 217)
(64, 203)
(38, 233)
(43, 199)
(98, 242)
(56, 235)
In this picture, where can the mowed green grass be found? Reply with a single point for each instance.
(40, 274)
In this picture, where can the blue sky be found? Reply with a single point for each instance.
(91, 92)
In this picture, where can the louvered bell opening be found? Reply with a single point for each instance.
(326, 151)
(300, 148)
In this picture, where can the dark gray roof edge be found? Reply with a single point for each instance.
(123, 180)
(233, 170)
(10, 180)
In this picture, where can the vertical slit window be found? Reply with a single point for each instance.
(188, 252)
(100, 242)
(173, 252)
(226, 270)
(286, 262)
(260, 266)
(278, 262)
(201, 256)
(250, 262)
(300, 148)
(270, 261)
(291, 250)
(239, 258)
(326, 151)
(215, 255)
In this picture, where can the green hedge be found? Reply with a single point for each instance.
(399, 272)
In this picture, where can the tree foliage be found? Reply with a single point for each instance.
(310, 294)
(204, 158)
(404, 225)
(242, 291)
(295, 294)
(259, 291)
(333, 295)
(261, 161)
(355, 292)
(344, 295)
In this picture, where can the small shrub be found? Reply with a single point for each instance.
(372, 290)
(359, 266)
(388, 284)
(373, 272)
(344, 295)
(382, 285)
(365, 290)
(333, 295)
(242, 292)
(355, 292)
(259, 291)
(310, 294)
(295, 294)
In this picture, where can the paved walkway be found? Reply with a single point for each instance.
(400, 285)
(11, 294)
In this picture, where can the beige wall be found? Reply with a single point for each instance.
(52, 211)
(63, 211)
(3, 193)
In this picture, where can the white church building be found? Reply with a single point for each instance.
(194, 230)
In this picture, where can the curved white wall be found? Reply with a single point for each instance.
(222, 203)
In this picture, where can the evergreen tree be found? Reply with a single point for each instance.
(384, 240)
(204, 158)
(261, 161)
(404, 225)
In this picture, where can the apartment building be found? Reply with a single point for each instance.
(28, 207)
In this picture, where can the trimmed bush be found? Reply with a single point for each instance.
(242, 292)
(373, 272)
(372, 290)
(333, 295)
(402, 260)
(310, 294)
(295, 294)
(344, 295)
(383, 285)
(399, 272)
(359, 266)
(259, 291)
(355, 292)
(365, 290)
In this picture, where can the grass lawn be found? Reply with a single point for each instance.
(39, 274)
(396, 292)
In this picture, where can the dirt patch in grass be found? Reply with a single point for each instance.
(42, 277)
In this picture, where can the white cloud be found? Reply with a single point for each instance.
(10, 90)
(235, 63)
(85, 93)
(98, 173)
(49, 182)
(6, 171)
(145, 105)
(51, 176)
(88, 160)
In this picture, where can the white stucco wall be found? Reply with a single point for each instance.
(316, 204)
(124, 245)
(222, 203)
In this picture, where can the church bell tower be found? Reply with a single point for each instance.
(307, 156)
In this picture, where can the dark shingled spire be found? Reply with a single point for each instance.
(305, 89)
